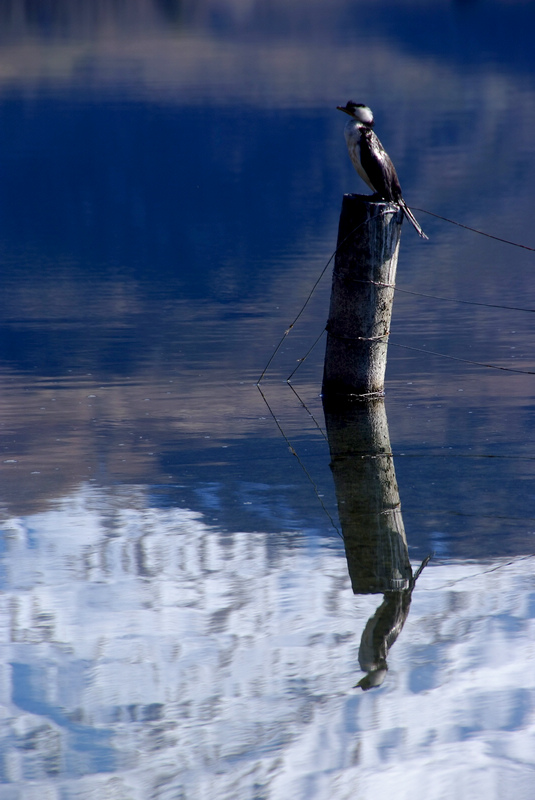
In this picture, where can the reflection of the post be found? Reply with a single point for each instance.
(372, 526)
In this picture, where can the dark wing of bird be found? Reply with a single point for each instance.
(378, 166)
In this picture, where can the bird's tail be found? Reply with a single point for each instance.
(412, 219)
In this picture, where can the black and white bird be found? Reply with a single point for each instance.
(371, 160)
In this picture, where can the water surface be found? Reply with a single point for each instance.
(177, 612)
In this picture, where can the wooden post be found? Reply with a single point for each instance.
(362, 295)
(368, 498)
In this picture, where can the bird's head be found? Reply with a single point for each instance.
(358, 111)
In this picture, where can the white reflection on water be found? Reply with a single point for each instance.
(145, 654)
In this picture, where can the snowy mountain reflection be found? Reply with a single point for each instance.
(142, 647)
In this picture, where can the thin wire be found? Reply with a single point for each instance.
(422, 350)
(304, 358)
(466, 302)
(289, 328)
(287, 331)
(309, 412)
(437, 297)
(294, 453)
(464, 360)
(462, 455)
(405, 291)
(463, 515)
(475, 575)
(475, 230)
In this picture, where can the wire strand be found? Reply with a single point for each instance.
(324, 270)
(407, 291)
(304, 358)
(465, 302)
(475, 230)
(464, 360)
(438, 297)
(293, 451)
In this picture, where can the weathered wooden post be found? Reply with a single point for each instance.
(353, 384)
(369, 506)
(362, 296)
(372, 525)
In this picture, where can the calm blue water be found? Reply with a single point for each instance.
(177, 615)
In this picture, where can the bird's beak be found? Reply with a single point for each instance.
(344, 109)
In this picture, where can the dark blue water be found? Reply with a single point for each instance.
(154, 262)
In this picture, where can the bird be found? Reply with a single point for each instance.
(371, 160)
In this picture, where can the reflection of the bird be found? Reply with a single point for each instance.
(372, 526)
(381, 632)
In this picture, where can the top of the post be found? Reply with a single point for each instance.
(370, 221)
(351, 198)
